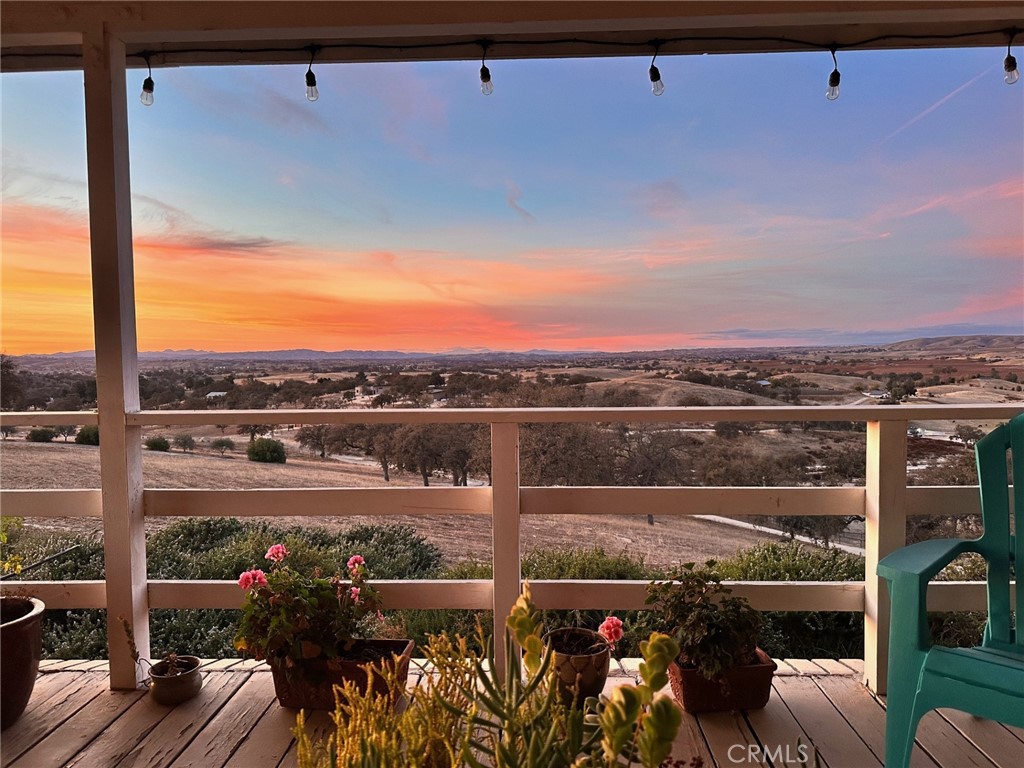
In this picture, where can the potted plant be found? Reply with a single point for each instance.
(312, 630)
(21, 640)
(469, 711)
(581, 657)
(719, 666)
(173, 679)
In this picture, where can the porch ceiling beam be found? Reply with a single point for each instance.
(44, 35)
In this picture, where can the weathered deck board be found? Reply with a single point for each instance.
(269, 741)
(728, 736)
(229, 727)
(865, 715)
(948, 744)
(778, 732)
(74, 720)
(61, 745)
(838, 744)
(994, 740)
(174, 732)
(67, 694)
(318, 724)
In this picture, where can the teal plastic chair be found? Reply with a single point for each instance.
(987, 680)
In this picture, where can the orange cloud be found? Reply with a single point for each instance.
(218, 291)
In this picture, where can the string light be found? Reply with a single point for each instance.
(657, 87)
(169, 54)
(833, 80)
(1010, 63)
(146, 97)
(311, 91)
(486, 86)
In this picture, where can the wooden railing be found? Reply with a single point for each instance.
(884, 501)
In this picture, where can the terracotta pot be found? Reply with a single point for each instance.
(585, 673)
(21, 642)
(174, 689)
(742, 688)
(312, 687)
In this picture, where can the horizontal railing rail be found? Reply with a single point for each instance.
(682, 415)
(884, 500)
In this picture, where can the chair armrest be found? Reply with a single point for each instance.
(923, 560)
(908, 571)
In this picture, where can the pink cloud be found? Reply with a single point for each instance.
(994, 304)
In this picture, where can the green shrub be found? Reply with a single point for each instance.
(579, 563)
(76, 634)
(572, 563)
(206, 548)
(221, 548)
(267, 450)
(393, 551)
(203, 632)
(79, 634)
(961, 629)
(802, 634)
(159, 443)
(223, 444)
(185, 441)
(41, 435)
(88, 435)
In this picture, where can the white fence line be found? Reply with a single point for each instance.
(885, 500)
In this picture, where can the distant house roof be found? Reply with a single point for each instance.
(878, 394)
(211, 395)
(764, 383)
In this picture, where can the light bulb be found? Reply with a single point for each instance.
(146, 97)
(657, 87)
(833, 86)
(486, 86)
(1010, 67)
(311, 92)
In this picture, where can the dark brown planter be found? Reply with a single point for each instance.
(21, 642)
(174, 689)
(584, 672)
(313, 687)
(742, 688)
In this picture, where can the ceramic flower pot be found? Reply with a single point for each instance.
(581, 658)
(171, 689)
(742, 688)
(312, 686)
(21, 640)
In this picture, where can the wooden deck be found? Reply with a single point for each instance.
(74, 720)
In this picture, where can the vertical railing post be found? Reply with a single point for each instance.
(504, 528)
(117, 378)
(885, 530)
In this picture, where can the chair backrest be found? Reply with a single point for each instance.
(1001, 545)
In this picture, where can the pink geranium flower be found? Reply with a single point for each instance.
(353, 593)
(252, 577)
(354, 562)
(611, 630)
(277, 553)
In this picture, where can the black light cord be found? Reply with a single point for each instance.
(546, 42)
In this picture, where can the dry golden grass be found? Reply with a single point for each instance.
(668, 542)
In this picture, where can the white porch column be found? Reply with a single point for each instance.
(117, 379)
(885, 530)
(504, 528)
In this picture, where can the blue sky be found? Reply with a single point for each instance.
(569, 210)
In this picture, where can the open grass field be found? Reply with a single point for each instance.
(668, 542)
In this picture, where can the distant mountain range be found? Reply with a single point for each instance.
(941, 344)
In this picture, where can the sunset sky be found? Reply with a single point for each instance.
(570, 210)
